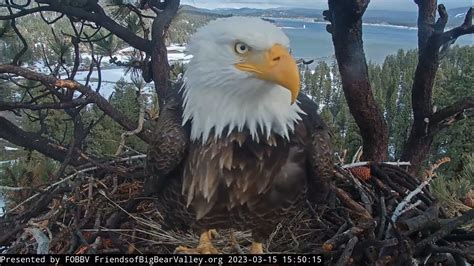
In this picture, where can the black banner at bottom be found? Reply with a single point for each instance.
(280, 259)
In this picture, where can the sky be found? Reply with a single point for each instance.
(405, 5)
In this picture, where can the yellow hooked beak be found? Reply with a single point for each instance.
(274, 65)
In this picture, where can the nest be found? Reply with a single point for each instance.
(376, 213)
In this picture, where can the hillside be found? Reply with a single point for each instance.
(401, 18)
(187, 20)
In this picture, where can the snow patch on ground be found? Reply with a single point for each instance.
(110, 73)
(177, 53)
(108, 79)
(176, 47)
(179, 57)
(10, 162)
(2, 205)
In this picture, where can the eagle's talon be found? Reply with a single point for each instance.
(212, 234)
(209, 249)
(256, 248)
(185, 250)
(205, 245)
(234, 244)
(204, 249)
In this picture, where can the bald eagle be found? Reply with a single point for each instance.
(237, 147)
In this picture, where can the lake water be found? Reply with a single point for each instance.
(310, 40)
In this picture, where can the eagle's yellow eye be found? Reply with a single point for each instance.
(241, 48)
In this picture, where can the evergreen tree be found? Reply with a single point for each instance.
(454, 81)
(391, 82)
(106, 136)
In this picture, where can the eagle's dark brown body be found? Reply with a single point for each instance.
(234, 181)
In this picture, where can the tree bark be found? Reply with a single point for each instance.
(159, 54)
(346, 30)
(91, 95)
(99, 17)
(431, 37)
(8, 106)
(419, 142)
(33, 141)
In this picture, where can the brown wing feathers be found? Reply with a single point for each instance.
(319, 150)
(230, 172)
(168, 147)
(234, 175)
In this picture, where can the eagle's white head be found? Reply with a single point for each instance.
(241, 76)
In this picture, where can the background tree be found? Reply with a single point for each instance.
(53, 100)
(391, 87)
(346, 30)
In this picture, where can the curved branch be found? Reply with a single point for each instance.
(23, 50)
(430, 32)
(100, 18)
(91, 95)
(346, 30)
(53, 21)
(33, 141)
(19, 6)
(445, 230)
(26, 12)
(465, 28)
(452, 110)
(159, 55)
(6, 106)
(449, 115)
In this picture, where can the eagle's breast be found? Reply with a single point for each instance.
(235, 174)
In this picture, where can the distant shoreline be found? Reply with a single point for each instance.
(314, 20)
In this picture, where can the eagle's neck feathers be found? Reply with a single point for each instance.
(219, 98)
(218, 106)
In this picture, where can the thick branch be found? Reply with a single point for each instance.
(426, 18)
(431, 37)
(428, 58)
(445, 230)
(159, 54)
(346, 29)
(156, 47)
(419, 142)
(465, 28)
(91, 95)
(100, 18)
(36, 142)
(16, 59)
(26, 12)
(452, 110)
(5, 106)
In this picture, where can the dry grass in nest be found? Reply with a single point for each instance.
(79, 216)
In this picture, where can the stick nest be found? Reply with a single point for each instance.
(374, 214)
